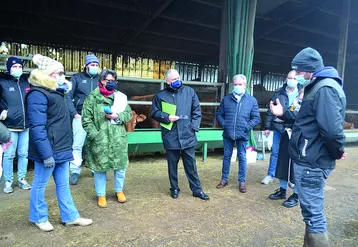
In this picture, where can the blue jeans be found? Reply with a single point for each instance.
(38, 206)
(274, 154)
(79, 138)
(100, 181)
(241, 154)
(284, 185)
(20, 142)
(310, 187)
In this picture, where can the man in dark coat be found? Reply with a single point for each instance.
(181, 137)
(317, 139)
(238, 114)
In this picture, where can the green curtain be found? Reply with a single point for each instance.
(240, 44)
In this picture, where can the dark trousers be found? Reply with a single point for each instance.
(188, 156)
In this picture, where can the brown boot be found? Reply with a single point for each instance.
(222, 184)
(102, 201)
(121, 197)
(315, 239)
(242, 188)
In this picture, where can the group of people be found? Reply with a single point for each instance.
(308, 133)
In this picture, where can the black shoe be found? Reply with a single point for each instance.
(74, 178)
(291, 202)
(202, 196)
(174, 194)
(279, 194)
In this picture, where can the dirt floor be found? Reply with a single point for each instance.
(152, 218)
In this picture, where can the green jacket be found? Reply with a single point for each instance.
(106, 143)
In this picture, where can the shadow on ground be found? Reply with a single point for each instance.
(152, 218)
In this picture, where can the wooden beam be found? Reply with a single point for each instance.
(222, 74)
(208, 4)
(182, 38)
(342, 50)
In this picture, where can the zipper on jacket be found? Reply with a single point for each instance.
(22, 102)
(237, 106)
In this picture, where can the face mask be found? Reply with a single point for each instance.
(60, 79)
(239, 89)
(16, 72)
(175, 84)
(292, 83)
(93, 70)
(301, 80)
(111, 86)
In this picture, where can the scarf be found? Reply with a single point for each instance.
(104, 91)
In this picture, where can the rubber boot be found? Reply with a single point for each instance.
(315, 239)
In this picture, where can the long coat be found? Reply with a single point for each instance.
(106, 143)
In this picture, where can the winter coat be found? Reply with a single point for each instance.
(5, 134)
(49, 120)
(318, 137)
(106, 143)
(238, 118)
(280, 94)
(82, 85)
(12, 95)
(182, 135)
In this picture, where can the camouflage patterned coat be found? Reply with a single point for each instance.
(106, 144)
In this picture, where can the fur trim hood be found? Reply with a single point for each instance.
(38, 79)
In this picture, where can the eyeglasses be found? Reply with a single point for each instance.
(113, 81)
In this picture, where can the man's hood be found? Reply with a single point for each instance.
(328, 72)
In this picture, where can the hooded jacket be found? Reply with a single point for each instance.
(83, 84)
(12, 94)
(318, 138)
(49, 120)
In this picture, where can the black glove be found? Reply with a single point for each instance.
(49, 162)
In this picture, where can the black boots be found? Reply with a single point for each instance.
(315, 239)
(279, 194)
(291, 202)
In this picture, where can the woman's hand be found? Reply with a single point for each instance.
(112, 116)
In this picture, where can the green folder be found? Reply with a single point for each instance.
(171, 110)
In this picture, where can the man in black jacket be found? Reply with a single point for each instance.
(181, 137)
(83, 84)
(13, 88)
(317, 139)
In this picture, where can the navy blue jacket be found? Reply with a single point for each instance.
(182, 135)
(238, 118)
(12, 94)
(317, 136)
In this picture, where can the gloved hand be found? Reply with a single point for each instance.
(49, 162)
(108, 110)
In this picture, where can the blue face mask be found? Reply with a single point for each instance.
(93, 70)
(301, 80)
(239, 89)
(176, 84)
(111, 85)
(16, 72)
(291, 83)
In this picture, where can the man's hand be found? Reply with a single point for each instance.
(343, 156)
(267, 132)
(277, 109)
(77, 116)
(112, 116)
(173, 118)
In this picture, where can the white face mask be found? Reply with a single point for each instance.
(60, 79)
(16, 72)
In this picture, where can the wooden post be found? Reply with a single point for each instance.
(223, 44)
(342, 50)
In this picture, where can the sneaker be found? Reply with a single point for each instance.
(268, 179)
(279, 194)
(74, 178)
(23, 184)
(80, 222)
(291, 202)
(8, 187)
(45, 226)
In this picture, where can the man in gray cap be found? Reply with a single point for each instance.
(317, 139)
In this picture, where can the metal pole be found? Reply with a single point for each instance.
(342, 50)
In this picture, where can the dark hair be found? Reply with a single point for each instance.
(106, 72)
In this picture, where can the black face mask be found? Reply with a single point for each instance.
(111, 86)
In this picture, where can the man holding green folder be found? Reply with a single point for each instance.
(177, 109)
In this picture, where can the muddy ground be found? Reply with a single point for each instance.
(152, 218)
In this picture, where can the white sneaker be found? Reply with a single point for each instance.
(45, 226)
(8, 187)
(80, 222)
(268, 179)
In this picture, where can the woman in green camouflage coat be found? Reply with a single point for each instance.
(103, 116)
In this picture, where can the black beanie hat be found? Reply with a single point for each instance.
(307, 60)
(11, 61)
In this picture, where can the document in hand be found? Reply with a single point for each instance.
(171, 110)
